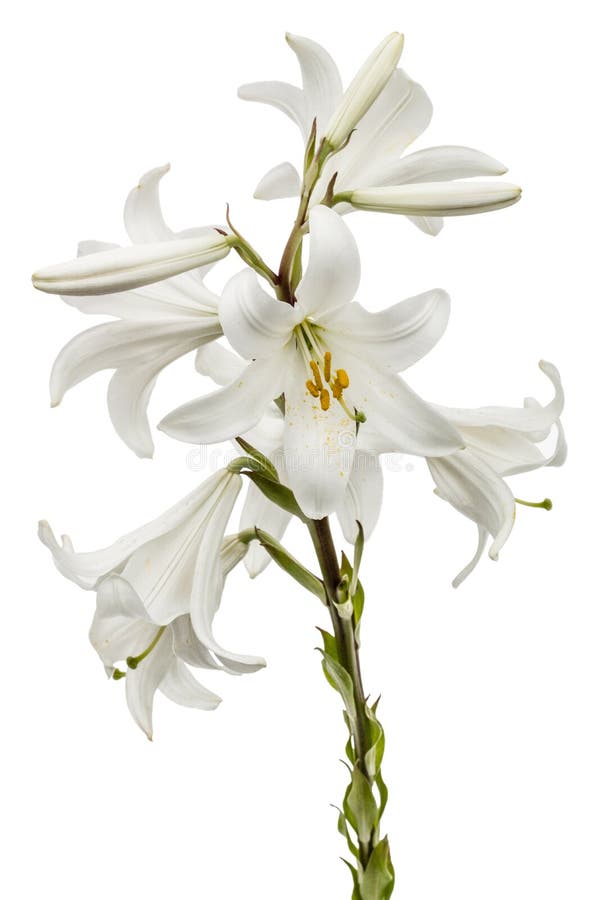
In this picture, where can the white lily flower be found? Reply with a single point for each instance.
(166, 576)
(374, 156)
(334, 363)
(499, 441)
(362, 498)
(157, 323)
(364, 89)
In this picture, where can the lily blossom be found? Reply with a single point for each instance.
(499, 442)
(362, 498)
(335, 364)
(167, 577)
(374, 156)
(156, 323)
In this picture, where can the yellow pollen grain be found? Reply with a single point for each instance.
(317, 374)
(327, 366)
(325, 399)
(314, 390)
(336, 389)
(342, 377)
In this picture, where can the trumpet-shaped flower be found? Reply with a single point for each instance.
(374, 156)
(499, 441)
(156, 323)
(362, 498)
(335, 365)
(159, 589)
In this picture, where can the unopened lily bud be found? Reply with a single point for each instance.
(125, 268)
(364, 89)
(434, 198)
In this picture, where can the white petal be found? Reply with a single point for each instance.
(285, 97)
(400, 114)
(505, 450)
(254, 322)
(259, 512)
(528, 418)
(267, 436)
(280, 182)
(333, 272)
(125, 268)
(396, 337)
(318, 447)
(435, 164)
(219, 363)
(398, 421)
(207, 592)
(232, 410)
(180, 686)
(455, 198)
(476, 491)
(142, 683)
(187, 646)
(482, 537)
(143, 216)
(120, 627)
(321, 80)
(427, 224)
(363, 497)
(162, 571)
(138, 351)
(86, 569)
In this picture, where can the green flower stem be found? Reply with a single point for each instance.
(373, 874)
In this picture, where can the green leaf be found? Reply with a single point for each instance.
(339, 679)
(358, 552)
(358, 602)
(383, 794)
(277, 493)
(263, 461)
(360, 806)
(329, 643)
(377, 882)
(343, 830)
(291, 565)
(374, 754)
(354, 873)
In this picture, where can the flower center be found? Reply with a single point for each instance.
(134, 661)
(324, 381)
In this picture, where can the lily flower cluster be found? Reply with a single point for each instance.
(309, 383)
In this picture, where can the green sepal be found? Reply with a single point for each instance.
(277, 493)
(360, 807)
(340, 680)
(377, 883)
(291, 565)
(264, 461)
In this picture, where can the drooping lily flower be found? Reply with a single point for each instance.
(157, 323)
(374, 157)
(499, 441)
(164, 582)
(362, 498)
(334, 363)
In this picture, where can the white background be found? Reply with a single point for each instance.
(490, 693)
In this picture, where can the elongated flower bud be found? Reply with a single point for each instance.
(364, 89)
(434, 198)
(125, 268)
